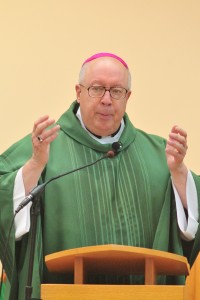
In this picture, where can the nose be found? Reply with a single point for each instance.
(106, 99)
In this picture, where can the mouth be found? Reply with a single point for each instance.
(105, 116)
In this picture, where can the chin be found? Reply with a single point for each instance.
(104, 132)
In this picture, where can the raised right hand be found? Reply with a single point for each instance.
(42, 136)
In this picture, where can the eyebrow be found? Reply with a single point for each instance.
(99, 83)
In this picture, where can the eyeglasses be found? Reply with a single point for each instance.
(116, 93)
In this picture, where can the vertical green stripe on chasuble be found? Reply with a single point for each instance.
(79, 192)
(98, 188)
(129, 197)
(146, 191)
(94, 201)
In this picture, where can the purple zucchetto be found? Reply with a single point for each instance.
(105, 54)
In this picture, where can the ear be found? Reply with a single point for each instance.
(128, 95)
(78, 92)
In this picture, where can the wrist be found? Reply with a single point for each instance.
(31, 173)
(181, 170)
(35, 164)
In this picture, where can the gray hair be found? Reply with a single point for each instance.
(82, 75)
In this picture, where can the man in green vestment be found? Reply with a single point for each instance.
(144, 196)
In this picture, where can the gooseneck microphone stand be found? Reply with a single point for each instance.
(35, 212)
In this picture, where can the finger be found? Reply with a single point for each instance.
(48, 135)
(40, 120)
(177, 147)
(40, 125)
(178, 138)
(179, 135)
(178, 130)
(172, 152)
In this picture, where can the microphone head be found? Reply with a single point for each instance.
(115, 149)
(116, 146)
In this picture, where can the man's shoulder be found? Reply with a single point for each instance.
(150, 137)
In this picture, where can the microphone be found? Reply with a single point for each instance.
(38, 190)
(116, 146)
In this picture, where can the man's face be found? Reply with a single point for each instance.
(102, 116)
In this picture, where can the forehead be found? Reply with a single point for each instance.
(105, 69)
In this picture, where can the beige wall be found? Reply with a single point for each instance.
(43, 43)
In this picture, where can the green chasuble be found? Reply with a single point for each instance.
(126, 200)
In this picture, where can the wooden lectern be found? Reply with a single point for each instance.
(115, 259)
